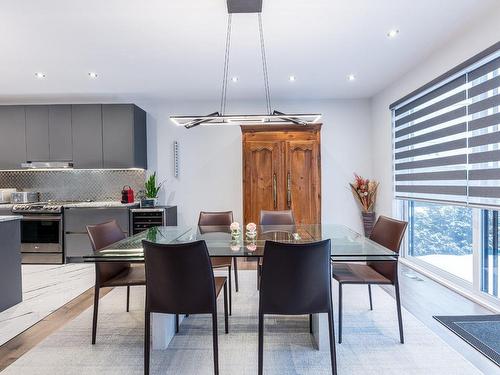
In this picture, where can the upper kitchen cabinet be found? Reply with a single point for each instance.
(13, 137)
(124, 136)
(60, 135)
(86, 122)
(37, 133)
(48, 133)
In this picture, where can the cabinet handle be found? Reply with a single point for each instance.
(275, 191)
(288, 190)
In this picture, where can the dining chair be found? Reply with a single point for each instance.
(219, 221)
(180, 280)
(281, 221)
(389, 233)
(296, 280)
(111, 274)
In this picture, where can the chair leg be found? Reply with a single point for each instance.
(96, 308)
(128, 297)
(216, 344)
(310, 324)
(226, 317)
(400, 318)
(333, 354)
(147, 341)
(340, 313)
(370, 296)
(176, 323)
(261, 343)
(236, 274)
(230, 292)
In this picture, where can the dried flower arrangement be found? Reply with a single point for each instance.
(365, 192)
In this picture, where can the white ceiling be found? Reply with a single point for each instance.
(174, 49)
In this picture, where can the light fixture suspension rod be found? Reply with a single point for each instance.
(226, 66)
(264, 65)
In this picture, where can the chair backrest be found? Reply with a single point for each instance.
(101, 236)
(179, 278)
(389, 233)
(296, 278)
(277, 217)
(221, 218)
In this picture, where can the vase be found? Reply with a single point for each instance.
(368, 222)
(148, 202)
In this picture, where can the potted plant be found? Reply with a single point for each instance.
(365, 193)
(151, 191)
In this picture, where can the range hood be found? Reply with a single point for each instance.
(47, 165)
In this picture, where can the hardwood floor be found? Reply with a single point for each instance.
(424, 297)
(22, 343)
(420, 295)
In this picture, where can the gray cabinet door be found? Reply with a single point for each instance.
(37, 132)
(118, 135)
(60, 136)
(12, 137)
(87, 135)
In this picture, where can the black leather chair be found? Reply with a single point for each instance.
(386, 232)
(296, 280)
(111, 274)
(219, 221)
(180, 280)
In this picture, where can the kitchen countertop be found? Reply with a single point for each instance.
(6, 206)
(10, 218)
(103, 204)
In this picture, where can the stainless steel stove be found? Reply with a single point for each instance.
(41, 231)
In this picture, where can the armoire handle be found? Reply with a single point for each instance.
(275, 191)
(288, 190)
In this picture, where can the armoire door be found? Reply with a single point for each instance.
(302, 181)
(261, 178)
(281, 170)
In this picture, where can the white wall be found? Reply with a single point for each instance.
(474, 39)
(211, 161)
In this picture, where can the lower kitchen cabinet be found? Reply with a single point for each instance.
(76, 240)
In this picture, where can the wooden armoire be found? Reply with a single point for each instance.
(281, 171)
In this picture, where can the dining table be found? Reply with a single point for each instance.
(346, 245)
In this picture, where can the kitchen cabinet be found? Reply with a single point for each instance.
(10, 266)
(60, 133)
(37, 133)
(93, 136)
(124, 136)
(86, 122)
(13, 137)
(76, 240)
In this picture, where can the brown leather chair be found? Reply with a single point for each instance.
(220, 221)
(111, 274)
(388, 233)
(180, 280)
(275, 221)
(296, 280)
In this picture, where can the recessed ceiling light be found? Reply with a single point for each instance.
(393, 33)
(93, 75)
(234, 79)
(292, 78)
(351, 77)
(40, 75)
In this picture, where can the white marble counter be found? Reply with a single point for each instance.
(10, 218)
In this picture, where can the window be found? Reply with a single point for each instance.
(442, 236)
(489, 254)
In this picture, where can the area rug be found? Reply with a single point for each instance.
(480, 331)
(370, 341)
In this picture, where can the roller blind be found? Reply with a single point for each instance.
(446, 140)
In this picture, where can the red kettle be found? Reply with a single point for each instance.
(127, 194)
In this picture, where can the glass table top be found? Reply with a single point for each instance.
(346, 243)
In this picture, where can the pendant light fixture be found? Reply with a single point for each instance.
(220, 117)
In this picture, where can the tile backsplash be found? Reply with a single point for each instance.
(75, 184)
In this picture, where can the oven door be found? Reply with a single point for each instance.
(41, 234)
